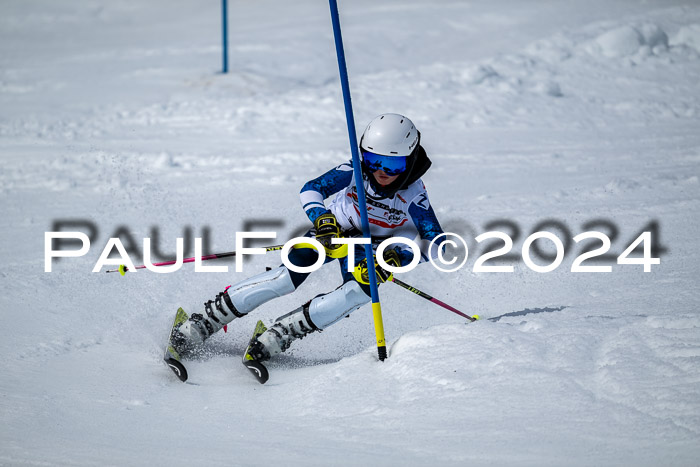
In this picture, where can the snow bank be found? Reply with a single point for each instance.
(563, 370)
(619, 42)
(688, 36)
(628, 40)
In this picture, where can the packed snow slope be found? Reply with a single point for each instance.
(587, 113)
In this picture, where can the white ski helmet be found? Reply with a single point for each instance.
(390, 135)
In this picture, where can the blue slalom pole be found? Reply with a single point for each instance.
(359, 182)
(224, 35)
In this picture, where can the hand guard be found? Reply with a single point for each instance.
(327, 228)
(361, 274)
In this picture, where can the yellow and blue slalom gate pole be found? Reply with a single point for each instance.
(359, 183)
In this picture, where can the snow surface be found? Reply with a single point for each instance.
(115, 112)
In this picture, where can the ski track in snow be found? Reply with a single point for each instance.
(529, 111)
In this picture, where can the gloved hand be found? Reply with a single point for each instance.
(327, 229)
(361, 274)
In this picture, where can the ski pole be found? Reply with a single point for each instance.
(432, 299)
(123, 269)
(361, 201)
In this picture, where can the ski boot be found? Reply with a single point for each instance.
(234, 302)
(319, 313)
(266, 343)
(316, 315)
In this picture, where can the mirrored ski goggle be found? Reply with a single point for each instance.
(391, 165)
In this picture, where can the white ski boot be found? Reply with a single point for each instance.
(279, 336)
(315, 315)
(234, 302)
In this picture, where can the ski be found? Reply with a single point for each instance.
(256, 368)
(172, 357)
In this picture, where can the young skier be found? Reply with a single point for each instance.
(392, 163)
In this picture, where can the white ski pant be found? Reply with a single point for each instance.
(324, 310)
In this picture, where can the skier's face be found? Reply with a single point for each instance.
(383, 179)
